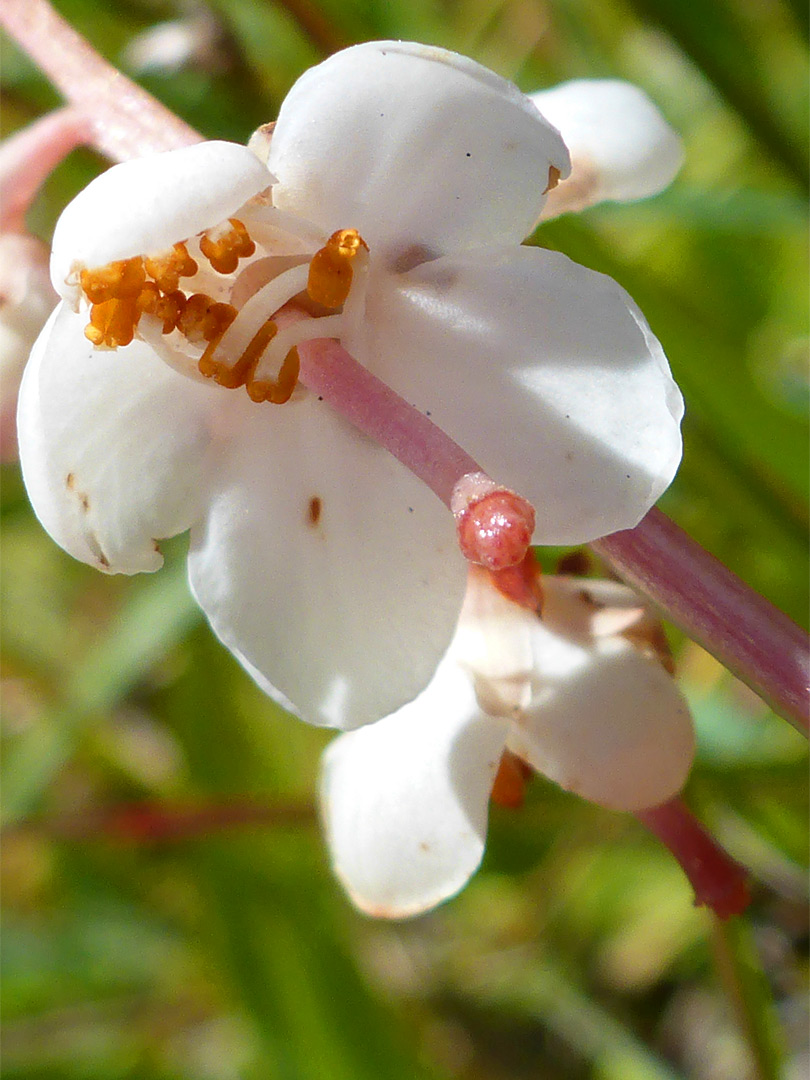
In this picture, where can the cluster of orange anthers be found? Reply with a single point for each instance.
(121, 292)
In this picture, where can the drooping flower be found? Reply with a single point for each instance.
(621, 147)
(577, 694)
(399, 184)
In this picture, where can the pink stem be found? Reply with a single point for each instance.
(746, 633)
(29, 156)
(126, 121)
(376, 410)
(718, 881)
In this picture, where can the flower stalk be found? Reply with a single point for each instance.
(126, 121)
(746, 633)
(718, 881)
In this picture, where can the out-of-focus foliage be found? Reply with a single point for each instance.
(228, 951)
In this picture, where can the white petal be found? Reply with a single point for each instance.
(421, 150)
(145, 205)
(114, 446)
(326, 567)
(607, 723)
(621, 147)
(493, 643)
(405, 800)
(542, 370)
(586, 608)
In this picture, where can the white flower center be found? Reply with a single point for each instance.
(197, 322)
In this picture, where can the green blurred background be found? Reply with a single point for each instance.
(229, 951)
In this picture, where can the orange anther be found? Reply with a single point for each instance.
(224, 248)
(513, 775)
(233, 375)
(168, 268)
(203, 319)
(553, 178)
(112, 323)
(330, 272)
(167, 307)
(116, 281)
(279, 390)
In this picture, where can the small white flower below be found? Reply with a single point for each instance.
(579, 694)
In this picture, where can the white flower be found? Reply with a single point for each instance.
(621, 147)
(403, 180)
(578, 695)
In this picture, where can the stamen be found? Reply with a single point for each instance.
(553, 178)
(330, 271)
(267, 224)
(494, 525)
(112, 323)
(224, 247)
(203, 319)
(509, 788)
(168, 268)
(167, 307)
(278, 390)
(234, 375)
(253, 315)
(121, 280)
(293, 334)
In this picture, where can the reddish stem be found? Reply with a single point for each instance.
(29, 156)
(746, 633)
(142, 822)
(126, 121)
(718, 881)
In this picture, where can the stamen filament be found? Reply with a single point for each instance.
(266, 223)
(255, 312)
(328, 326)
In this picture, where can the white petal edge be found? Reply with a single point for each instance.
(325, 566)
(115, 447)
(423, 151)
(607, 723)
(544, 371)
(621, 146)
(143, 206)
(405, 801)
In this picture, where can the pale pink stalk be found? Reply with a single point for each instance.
(30, 155)
(494, 524)
(719, 882)
(376, 410)
(746, 633)
(126, 121)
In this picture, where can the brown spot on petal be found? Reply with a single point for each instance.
(314, 511)
(70, 481)
(424, 846)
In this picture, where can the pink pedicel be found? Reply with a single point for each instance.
(719, 882)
